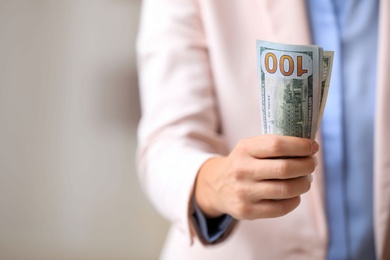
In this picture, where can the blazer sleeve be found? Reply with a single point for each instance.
(179, 127)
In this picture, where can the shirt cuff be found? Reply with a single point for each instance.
(210, 228)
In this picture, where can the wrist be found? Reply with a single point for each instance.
(205, 192)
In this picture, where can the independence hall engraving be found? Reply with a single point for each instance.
(291, 121)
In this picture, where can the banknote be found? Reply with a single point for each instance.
(327, 64)
(294, 82)
(289, 85)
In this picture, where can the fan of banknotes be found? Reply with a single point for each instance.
(294, 82)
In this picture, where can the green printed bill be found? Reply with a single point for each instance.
(294, 82)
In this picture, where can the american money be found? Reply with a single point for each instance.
(289, 77)
(327, 64)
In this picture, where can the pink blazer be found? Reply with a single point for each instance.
(199, 93)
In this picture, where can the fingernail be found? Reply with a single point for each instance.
(315, 161)
(314, 147)
(310, 177)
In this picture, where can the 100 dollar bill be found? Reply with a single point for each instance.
(292, 85)
(327, 64)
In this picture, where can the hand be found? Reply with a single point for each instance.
(263, 177)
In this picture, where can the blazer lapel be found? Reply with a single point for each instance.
(382, 140)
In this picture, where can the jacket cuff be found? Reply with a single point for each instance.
(210, 231)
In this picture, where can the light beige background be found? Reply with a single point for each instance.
(68, 116)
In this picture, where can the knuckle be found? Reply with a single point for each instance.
(240, 192)
(276, 145)
(243, 211)
(284, 190)
(307, 147)
(281, 168)
(238, 171)
(241, 146)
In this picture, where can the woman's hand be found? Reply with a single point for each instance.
(263, 177)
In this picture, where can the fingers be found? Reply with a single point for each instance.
(286, 168)
(252, 193)
(274, 146)
(279, 189)
(262, 177)
(266, 209)
(267, 199)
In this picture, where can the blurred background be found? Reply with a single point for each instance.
(68, 116)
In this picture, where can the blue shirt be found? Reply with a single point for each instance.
(349, 27)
